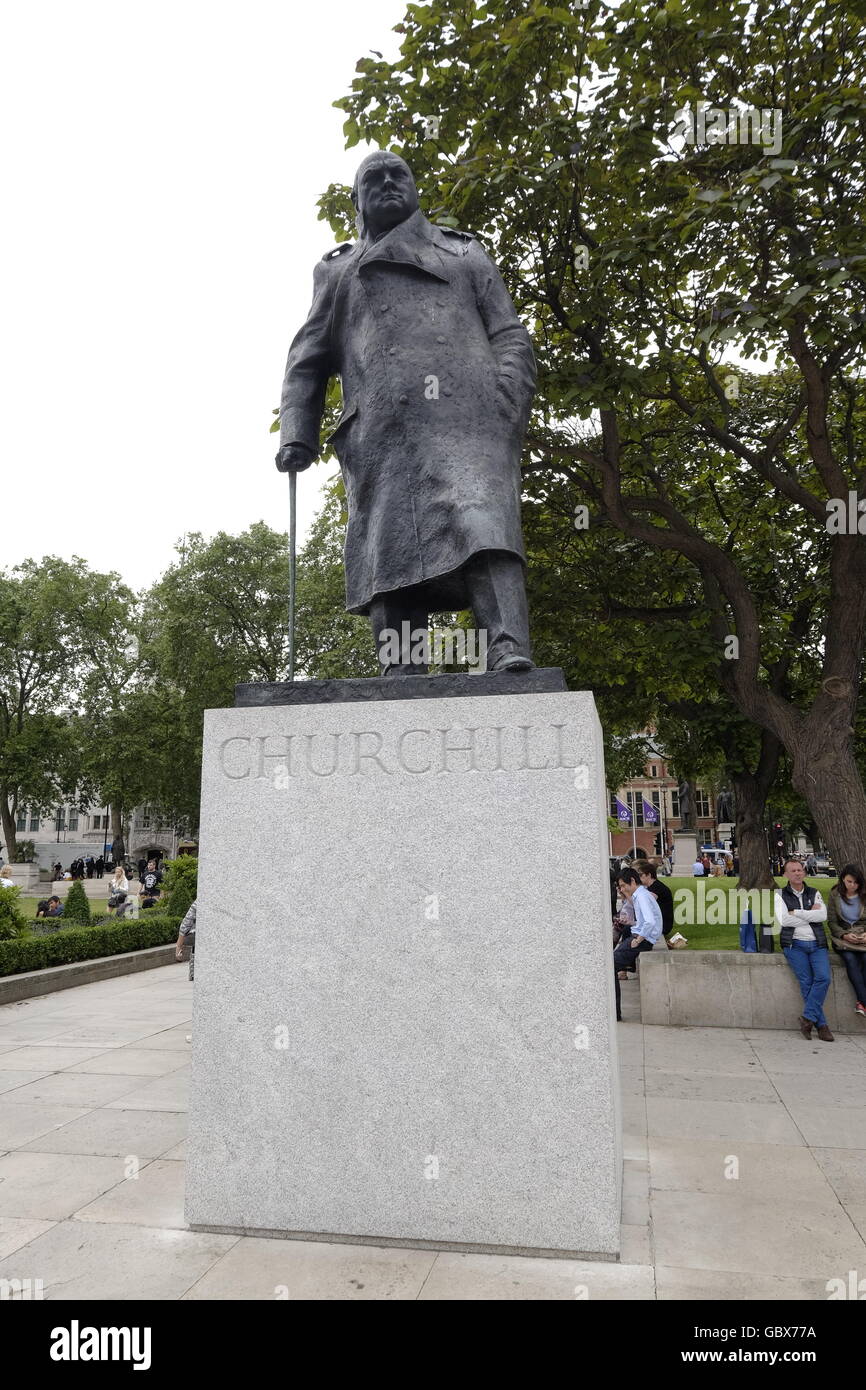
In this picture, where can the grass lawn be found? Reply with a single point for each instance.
(707, 912)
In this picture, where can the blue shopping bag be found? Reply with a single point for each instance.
(748, 940)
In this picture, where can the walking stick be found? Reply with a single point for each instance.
(293, 491)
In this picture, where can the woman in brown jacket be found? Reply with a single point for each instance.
(846, 918)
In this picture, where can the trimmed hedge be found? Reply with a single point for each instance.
(86, 943)
(77, 906)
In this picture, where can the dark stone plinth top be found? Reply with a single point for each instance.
(543, 680)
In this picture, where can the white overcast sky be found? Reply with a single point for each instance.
(161, 161)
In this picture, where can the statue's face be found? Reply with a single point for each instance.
(386, 194)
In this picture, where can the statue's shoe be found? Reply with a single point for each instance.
(512, 661)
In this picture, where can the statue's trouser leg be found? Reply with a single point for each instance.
(388, 613)
(496, 582)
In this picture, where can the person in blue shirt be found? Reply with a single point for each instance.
(648, 923)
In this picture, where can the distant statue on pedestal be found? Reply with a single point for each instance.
(685, 797)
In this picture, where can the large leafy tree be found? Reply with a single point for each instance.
(648, 270)
(57, 623)
(629, 620)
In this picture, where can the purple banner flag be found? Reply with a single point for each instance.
(650, 812)
(623, 814)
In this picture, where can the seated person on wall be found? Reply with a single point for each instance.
(150, 886)
(801, 914)
(648, 922)
(846, 918)
(664, 897)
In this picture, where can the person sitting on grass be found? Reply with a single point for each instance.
(801, 914)
(846, 918)
(55, 907)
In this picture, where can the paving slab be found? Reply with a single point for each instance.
(846, 1125)
(107, 1035)
(132, 1061)
(719, 1286)
(12, 1080)
(50, 1187)
(71, 1088)
(307, 1270)
(16, 1231)
(143, 1134)
(728, 1231)
(171, 1039)
(739, 1087)
(169, 1092)
(844, 1169)
(114, 1262)
(487, 1277)
(21, 1123)
(45, 1058)
(749, 1122)
(705, 1165)
(153, 1198)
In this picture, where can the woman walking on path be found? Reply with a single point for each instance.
(118, 887)
(846, 918)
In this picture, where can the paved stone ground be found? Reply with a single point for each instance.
(94, 1075)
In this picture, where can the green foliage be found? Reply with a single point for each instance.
(25, 852)
(56, 619)
(86, 943)
(77, 905)
(180, 885)
(12, 919)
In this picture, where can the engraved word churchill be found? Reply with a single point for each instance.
(432, 476)
(277, 758)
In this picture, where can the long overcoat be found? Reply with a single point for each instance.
(437, 376)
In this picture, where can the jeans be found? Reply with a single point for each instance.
(811, 964)
(855, 964)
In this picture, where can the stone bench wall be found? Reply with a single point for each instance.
(735, 989)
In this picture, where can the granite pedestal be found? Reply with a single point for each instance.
(685, 852)
(403, 1023)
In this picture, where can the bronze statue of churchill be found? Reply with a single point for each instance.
(437, 375)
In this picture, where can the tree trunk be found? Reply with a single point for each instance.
(7, 826)
(118, 846)
(825, 774)
(750, 798)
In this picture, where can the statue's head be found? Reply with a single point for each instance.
(384, 193)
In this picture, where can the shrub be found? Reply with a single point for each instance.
(181, 885)
(12, 919)
(86, 943)
(77, 907)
